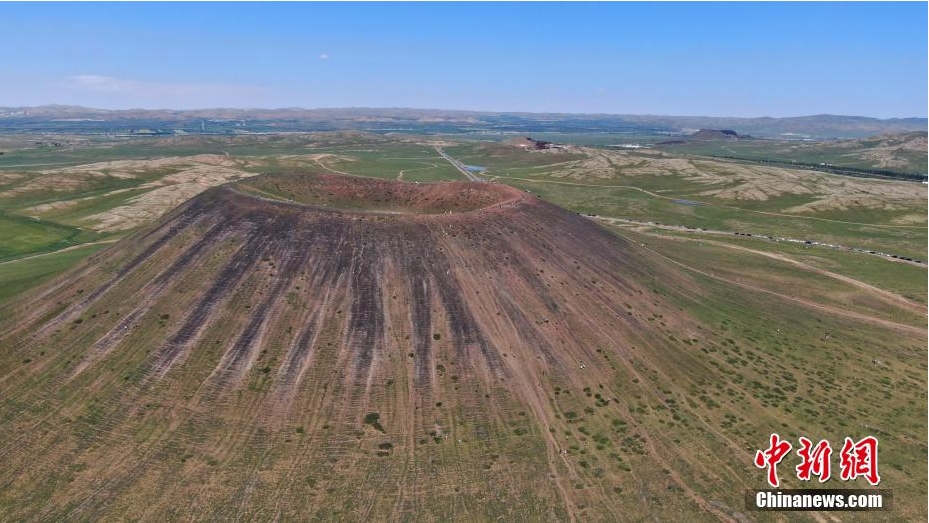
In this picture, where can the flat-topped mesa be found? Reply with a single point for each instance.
(355, 194)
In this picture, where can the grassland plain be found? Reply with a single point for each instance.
(905, 153)
(719, 194)
(21, 274)
(899, 278)
(662, 425)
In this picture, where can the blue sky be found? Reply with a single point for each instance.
(715, 59)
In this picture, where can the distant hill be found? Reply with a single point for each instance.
(823, 126)
(715, 134)
(881, 155)
(901, 152)
(527, 143)
(704, 135)
(74, 119)
(915, 141)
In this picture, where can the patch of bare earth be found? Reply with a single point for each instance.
(165, 194)
(186, 177)
(739, 181)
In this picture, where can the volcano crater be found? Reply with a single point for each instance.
(371, 195)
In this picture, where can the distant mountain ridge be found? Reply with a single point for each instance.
(436, 120)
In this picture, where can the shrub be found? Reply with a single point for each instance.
(373, 419)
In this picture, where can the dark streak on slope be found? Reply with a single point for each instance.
(420, 287)
(227, 280)
(328, 273)
(366, 321)
(243, 348)
(300, 351)
(466, 333)
(183, 221)
(525, 329)
(115, 335)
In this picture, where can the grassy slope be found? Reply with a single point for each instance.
(857, 154)
(905, 279)
(22, 274)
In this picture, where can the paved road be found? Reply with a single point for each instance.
(458, 165)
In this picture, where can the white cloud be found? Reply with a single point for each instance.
(98, 83)
(323, 56)
(175, 95)
(101, 83)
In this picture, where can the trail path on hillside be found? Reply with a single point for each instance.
(888, 295)
(811, 243)
(71, 248)
(802, 301)
(330, 169)
(426, 166)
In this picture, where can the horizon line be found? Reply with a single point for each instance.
(428, 109)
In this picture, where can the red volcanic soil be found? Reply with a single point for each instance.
(407, 355)
(371, 194)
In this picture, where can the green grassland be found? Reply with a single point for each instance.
(756, 270)
(657, 198)
(794, 369)
(415, 162)
(629, 202)
(906, 279)
(858, 154)
(21, 274)
(100, 149)
(20, 236)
